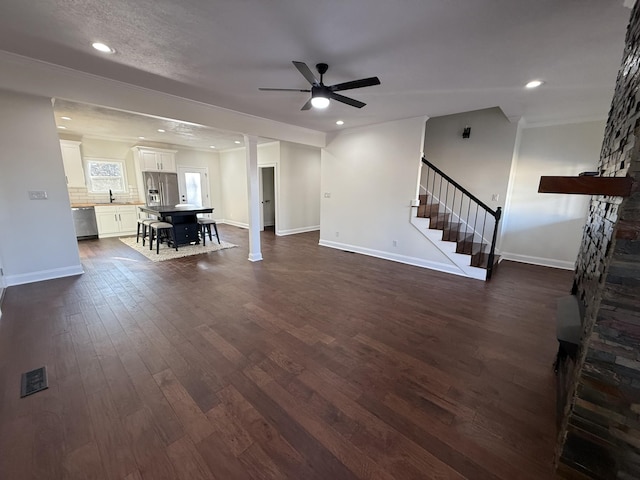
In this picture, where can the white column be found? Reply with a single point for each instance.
(251, 146)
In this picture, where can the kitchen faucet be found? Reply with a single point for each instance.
(111, 199)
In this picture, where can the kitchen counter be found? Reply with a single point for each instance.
(114, 204)
(183, 218)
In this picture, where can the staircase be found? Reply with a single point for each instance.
(456, 222)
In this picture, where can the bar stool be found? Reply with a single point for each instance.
(143, 227)
(158, 229)
(205, 227)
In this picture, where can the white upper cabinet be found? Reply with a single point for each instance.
(155, 159)
(72, 160)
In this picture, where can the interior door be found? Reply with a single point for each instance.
(193, 185)
(267, 197)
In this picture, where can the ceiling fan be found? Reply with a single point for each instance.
(321, 93)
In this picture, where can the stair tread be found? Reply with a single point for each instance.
(454, 231)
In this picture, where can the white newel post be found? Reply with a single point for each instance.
(251, 145)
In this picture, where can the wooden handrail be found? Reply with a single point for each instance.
(494, 213)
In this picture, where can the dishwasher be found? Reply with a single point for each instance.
(84, 220)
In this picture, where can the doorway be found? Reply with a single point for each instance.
(193, 186)
(268, 198)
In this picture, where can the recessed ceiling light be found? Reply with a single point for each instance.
(339, 122)
(212, 146)
(101, 47)
(65, 118)
(62, 127)
(161, 130)
(534, 84)
(141, 138)
(237, 141)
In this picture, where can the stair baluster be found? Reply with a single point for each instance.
(472, 241)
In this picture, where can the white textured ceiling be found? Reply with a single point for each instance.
(89, 120)
(434, 57)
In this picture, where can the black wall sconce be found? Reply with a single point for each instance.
(466, 133)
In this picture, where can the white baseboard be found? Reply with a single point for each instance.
(280, 233)
(416, 262)
(293, 231)
(117, 234)
(22, 278)
(545, 262)
(255, 257)
(234, 223)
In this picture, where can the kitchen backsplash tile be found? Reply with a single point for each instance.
(82, 195)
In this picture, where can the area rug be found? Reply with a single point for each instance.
(167, 253)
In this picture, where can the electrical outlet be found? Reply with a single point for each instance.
(395, 243)
(337, 234)
(495, 197)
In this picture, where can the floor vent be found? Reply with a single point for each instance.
(33, 381)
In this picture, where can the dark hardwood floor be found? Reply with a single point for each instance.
(312, 364)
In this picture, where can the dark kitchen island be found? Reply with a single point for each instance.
(183, 218)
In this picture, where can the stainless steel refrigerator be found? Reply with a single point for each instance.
(161, 188)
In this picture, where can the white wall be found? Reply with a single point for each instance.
(121, 150)
(37, 237)
(299, 189)
(370, 175)
(297, 185)
(546, 228)
(481, 163)
(233, 172)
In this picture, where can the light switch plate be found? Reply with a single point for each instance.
(37, 195)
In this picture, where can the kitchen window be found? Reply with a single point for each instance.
(105, 175)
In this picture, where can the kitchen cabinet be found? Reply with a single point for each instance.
(116, 220)
(155, 159)
(72, 160)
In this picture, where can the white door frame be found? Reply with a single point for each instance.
(206, 187)
(2, 286)
(276, 187)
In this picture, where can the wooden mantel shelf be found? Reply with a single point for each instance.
(586, 185)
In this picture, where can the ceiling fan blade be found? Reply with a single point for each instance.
(307, 106)
(347, 100)
(364, 82)
(306, 72)
(283, 90)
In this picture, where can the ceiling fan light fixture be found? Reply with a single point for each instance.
(320, 102)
